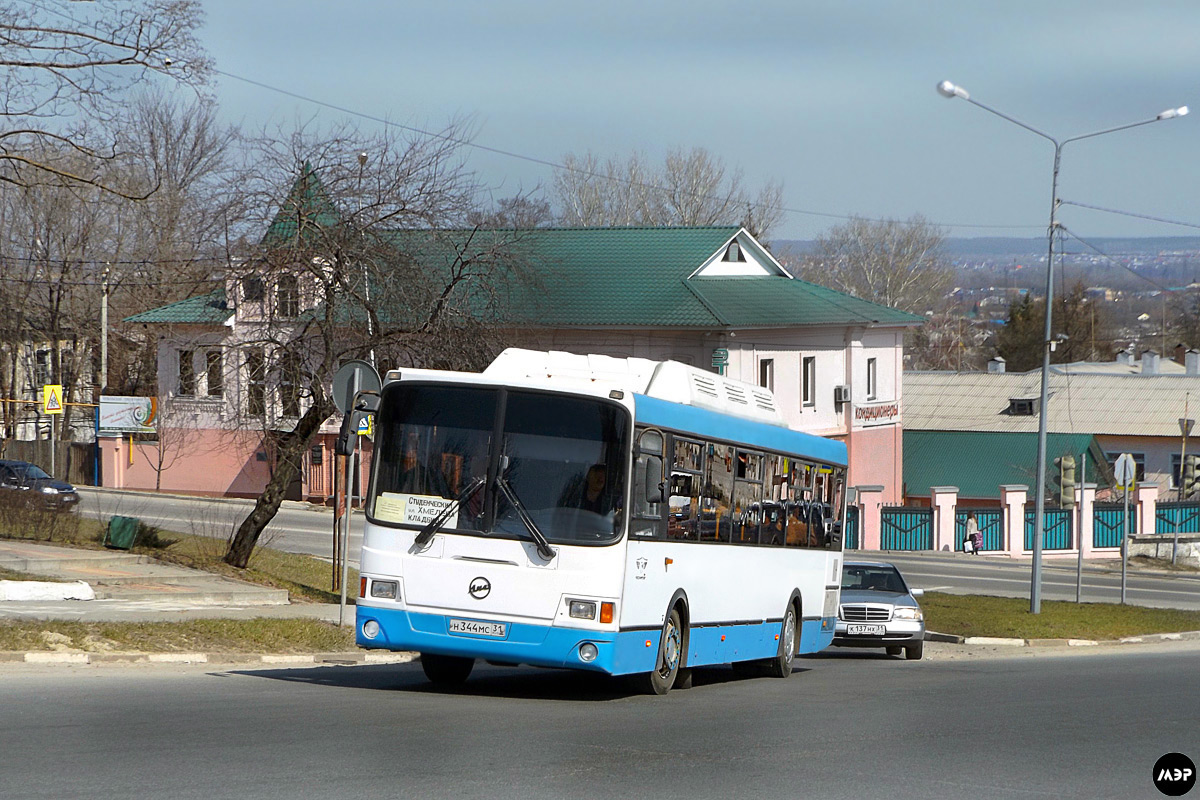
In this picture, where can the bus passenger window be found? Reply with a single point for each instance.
(716, 514)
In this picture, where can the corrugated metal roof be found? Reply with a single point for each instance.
(980, 463)
(209, 309)
(1118, 405)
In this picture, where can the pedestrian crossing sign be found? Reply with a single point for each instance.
(366, 426)
(52, 398)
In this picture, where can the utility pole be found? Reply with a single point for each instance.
(103, 381)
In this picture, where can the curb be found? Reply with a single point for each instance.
(995, 641)
(275, 659)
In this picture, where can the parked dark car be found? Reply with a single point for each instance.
(31, 484)
(878, 609)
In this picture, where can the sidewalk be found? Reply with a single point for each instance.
(133, 588)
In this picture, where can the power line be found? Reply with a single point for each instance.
(560, 166)
(1130, 214)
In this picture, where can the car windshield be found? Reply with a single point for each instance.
(564, 457)
(865, 577)
(29, 472)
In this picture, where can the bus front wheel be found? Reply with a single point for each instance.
(781, 665)
(670, 654)
(446, 670)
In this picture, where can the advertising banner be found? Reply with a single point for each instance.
(128, 414)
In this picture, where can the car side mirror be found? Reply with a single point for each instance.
(916, 592)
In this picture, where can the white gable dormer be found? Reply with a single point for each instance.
(741, 255)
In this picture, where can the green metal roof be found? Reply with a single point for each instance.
(209, 309)
(306, 208)
(979, 463)
(624, 278)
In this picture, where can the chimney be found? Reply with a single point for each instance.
(1191, 362)
(1149, 362)
(1180, 352)
(1125, 357)
(997, 364)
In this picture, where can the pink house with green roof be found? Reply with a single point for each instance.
(712, 297)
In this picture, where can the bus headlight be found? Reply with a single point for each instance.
(383, 589)
(588, 652)
(370, 629)
(582, 609)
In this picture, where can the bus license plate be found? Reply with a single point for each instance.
(865, 630)
(476, 628)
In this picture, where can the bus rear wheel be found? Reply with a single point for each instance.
(781, 665)
(670, 654)
(446, 670)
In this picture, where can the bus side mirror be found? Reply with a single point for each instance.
(654, 482)
(345, 441)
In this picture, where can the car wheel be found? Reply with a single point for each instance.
(446, 670)
(914, 651)
(894, 650)
(670, 653)
(781, 665)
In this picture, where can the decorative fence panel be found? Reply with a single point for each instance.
(1109, 523)
(991, 527)
(906, 528)
(1177, 518)
(1058, 526)
(850, 530)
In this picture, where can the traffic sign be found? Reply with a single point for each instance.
(366, 425)
(1125, 471)
(52, 398)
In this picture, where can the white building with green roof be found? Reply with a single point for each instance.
(712, 297)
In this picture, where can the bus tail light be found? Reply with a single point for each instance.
(606, 612)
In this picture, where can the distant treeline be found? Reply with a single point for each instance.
(1016, 247)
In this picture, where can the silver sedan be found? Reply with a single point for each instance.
(878, 609)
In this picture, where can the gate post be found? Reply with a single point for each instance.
(1147, 508)
(1012, 500)
(1087, 512)
(944, 500)
(870, 517)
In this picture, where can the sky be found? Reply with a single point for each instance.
(834, 99)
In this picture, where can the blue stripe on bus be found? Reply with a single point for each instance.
(620, 653)
(710, 424)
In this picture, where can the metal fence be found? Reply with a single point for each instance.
(1177, 518)
(1058, 525)
(850, 529)
(1108, 523)
(991, 527)
(906, 528)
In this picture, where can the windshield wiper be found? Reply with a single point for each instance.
(543, 546)
(434, 525)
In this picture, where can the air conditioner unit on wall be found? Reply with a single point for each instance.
(841, 394)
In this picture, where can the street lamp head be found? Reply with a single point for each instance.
(362, 158)
(1172, 113)
(948, 89)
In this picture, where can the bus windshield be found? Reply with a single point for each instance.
(562, 458)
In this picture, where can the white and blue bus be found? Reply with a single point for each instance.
(618, 515)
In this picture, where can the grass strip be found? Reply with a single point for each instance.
(191, 636)
(979, 615)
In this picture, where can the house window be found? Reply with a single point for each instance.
(766, 373)
(289, 386)
(41, 368)
(287, 296)
(1021, 407)
(214, 372)
(256, 383)
(872, 380)
(808, 381)
(252, 289)
(187, 374)
(734, 252)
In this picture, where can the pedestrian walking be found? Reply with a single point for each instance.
(974, 539)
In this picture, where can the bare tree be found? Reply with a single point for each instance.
(64, 71)
(896, 264)
(692, 188)
(369, 256)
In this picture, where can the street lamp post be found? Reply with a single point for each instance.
(950, 90)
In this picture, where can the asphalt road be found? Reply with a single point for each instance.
(846, 725)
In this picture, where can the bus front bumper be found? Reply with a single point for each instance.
(616, 653)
